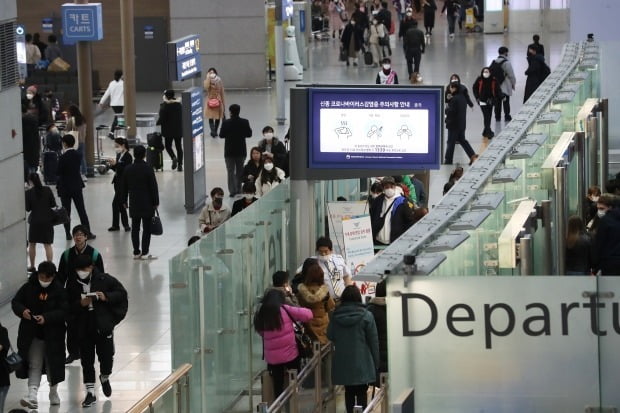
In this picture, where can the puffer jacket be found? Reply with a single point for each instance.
(279, 345)
(317, 299)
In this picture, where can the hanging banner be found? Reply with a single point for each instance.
(336, 212)
(359, 248)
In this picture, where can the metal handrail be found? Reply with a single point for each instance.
(147, 401)
(381, 396)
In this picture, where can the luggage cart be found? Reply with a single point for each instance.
(146, 123)
(102, 165)
(121, 130)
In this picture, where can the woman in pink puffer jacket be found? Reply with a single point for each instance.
(274, 322)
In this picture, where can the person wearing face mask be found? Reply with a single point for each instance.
(140, 186)
(67, 272)
(249, 190)
(352, 40)
(456, 123)
(39, 202)
(387, 75)
(171, 121)
(269, 177)
(390, 214)
(455, 78)
(377, 32)
(118, 164)
(487, 92)
(272, 145)
(537, 71)
(214, 100)
(507, 86)
(97, 303)
(589, 213)
(114, 97)
(607, 238)
(214, 213)
(41, 304)
(235, 131)
(414, 46)
(452, 10)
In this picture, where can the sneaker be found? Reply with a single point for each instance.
(54, 398)
(137, 256)
(112, 229)
(105, 386)
(30, 401)
(174, 164)
(90, 400)
(148, 257)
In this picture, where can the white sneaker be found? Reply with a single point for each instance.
(54, 398)
(148, 257)
(84, 178)
(30, 401)
(137, 257)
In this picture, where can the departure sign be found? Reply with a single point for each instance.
(184, 58)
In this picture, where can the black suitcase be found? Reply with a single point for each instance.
(155, 140)
(367, 58)
(50, 166)
(155, 158)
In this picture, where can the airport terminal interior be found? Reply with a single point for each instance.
(143, 340)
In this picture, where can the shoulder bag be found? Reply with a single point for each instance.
(302, 339)
(59, 216)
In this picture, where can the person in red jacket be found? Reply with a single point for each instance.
(486, 91)
(274, 321)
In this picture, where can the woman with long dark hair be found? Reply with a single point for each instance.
(274, 321)
(76, 125)
(39, 202)
(253, 167)
(269, 177)
(578, 248)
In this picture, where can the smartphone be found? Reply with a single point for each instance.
(94, 295)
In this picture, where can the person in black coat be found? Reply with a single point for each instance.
(98, 302)
(537, 71)
(39, 202)
(414, 45)
(171, 121)
(254, 165)
(70, 184)
(378, 309)
(5, 379)
(140, 186)
(540, 49)
(456, 122)
(123, 160)
(31, 143)
(41, 304)
(390, 214)
(352, 40)
(455, 78)
(235, 130)
(487, 92)
(607, 238)
(249, 190)
(272, 145)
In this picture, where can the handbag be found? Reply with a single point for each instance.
(156, 227)
(302, 339)
(59, 216)
(213, 103)
(13, 361)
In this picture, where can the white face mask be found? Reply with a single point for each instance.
(601, 213)
(29, 96)
(268, 166)
(595, 199)
(268, 136)
(45, 284)
(212, 75)
(387, 66)
(83, 274)
(389, 192)
(118, 149)
(248, 196)
(325, 258)
(486, 75)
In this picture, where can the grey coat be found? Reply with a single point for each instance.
(510, 80)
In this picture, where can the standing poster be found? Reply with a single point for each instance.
(336, 212)
(359, 248)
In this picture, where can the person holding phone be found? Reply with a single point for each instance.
(41, 304)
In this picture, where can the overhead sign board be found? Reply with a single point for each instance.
(82, 22)
(184, 58)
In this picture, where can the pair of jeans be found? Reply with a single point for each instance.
(234, 168)
(36, 357)
(413, 57)
(78, 200)
(179, 147)
(103, 345)
(451, 23)
(4, 390)
(277, 372)
(355, 395)
(457, 136)
(498, 107)
(146, 235)
(82, 151)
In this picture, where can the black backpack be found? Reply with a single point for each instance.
(497, 71)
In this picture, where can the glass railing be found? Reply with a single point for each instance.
(169, 396)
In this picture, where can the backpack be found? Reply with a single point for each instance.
(497, 71)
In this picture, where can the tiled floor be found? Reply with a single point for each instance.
(143, 339)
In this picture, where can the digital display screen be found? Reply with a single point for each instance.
(199, 154)
(395, 128)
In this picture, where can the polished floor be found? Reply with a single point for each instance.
(143, 339)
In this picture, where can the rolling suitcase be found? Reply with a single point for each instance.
(155, 158)
(50, 166)
(367, 57)
(155, 140)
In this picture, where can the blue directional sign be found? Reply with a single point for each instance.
(81, 22)
(184, 58)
